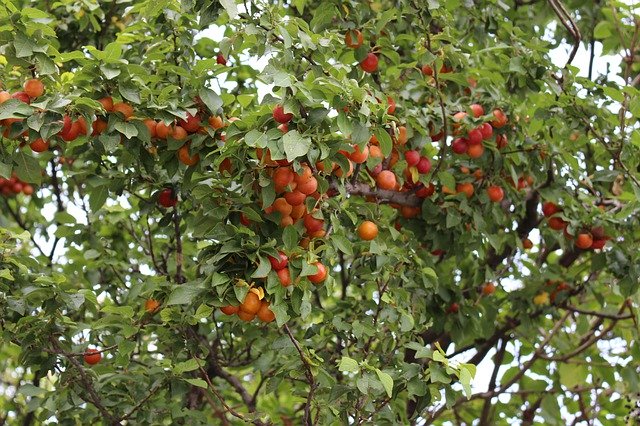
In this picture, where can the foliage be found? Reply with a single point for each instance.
(181, 193)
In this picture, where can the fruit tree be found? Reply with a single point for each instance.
(319, 212)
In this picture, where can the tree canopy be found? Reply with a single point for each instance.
(319, 212)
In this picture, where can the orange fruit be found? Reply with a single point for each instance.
(264, 313)
(368, 230)
(251, 303)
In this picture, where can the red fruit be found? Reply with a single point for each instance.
(280, 116)
(556, 223)
(191, 124)
(33, 88)
(370, 63)
(107, 103)
(351, 41)
(319, 276)
(453, 308)
(427, 70)
(501, 141)
(474, 137)
(437, 252)
(500, 119)
(598, 243)
(285, 277)
(477, 110)
(459, 146)
(495, 193)
(598, 233)
(244, 220)
(549, 209)
(279, 263)
(584, 240)
(359, 156)
(312, 224)
(488, 289)
(487, 131)
(92, 356)
(39, 145)
(22, 96)
(412, 158)
(386, 180)
(167, 198)
(392, 105)
(424, 165)
(220, 59)
(230, 310)
(426, 191)
(295, 198)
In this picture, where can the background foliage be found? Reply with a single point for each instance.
(395, 332)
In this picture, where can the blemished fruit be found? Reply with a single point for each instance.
(167, 198)
(264, 313)
(368, 230)
(92, 356)
(495, 193)
(319, 276)
(386, 180)
(353, 39)
(502, 141)
(584, 240)
(151, 305)
(251, 303)
(230, 309)
(280, 116)
(34, 88)
(488, 289)
(370, 63)
(280, 262)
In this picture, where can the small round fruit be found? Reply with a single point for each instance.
(187, 159)
(21, 96)
(246, 316)
(527, 244)
(453, 308)
(123, 108)
(488, 289)
(34, 88)
(466, 188)
(386, 180)
(584, 241)
(474, 137)
(191, 124)
(280, 262)
(549, 209)
(216, 122)
(500, 119)
(427, 70)
(502, 141)
(475, 151)
(39, 145)
(280, 116)
(179, 133)
(368, 230)
(4, 96)
(541, 299)
(151, 305)
(265, 314)
(230, 310)
(162, 130)
(284, 276)
(459, 146)
(477, 110)
(495, 193)
(107, 103)
(353, 39)
(392, 105)
(424, 165)
(251, 303)
(487, 131)
(370, 63)
(319, 276)
(312, 224)
(557, 224)
(220, 59)
(167, 198)
(359, 156)
(92, 356)
(412, 158)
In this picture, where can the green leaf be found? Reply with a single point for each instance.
(387, 381)
(295, 145)
(127, 128)
(263, 268)
(14, 108)
(125, 311)
(27, 168)
(256, 139)
(342, 243)
(290, 237)
(230, 7)
(386, 144)
(348, 364)
(572, 375)
(97, 197)
(465, 380)
(197, 382)
(184, 294)
(185, 366)
(211, 100)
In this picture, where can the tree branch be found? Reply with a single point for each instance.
(308, 374)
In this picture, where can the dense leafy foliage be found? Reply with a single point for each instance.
(331, 214)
